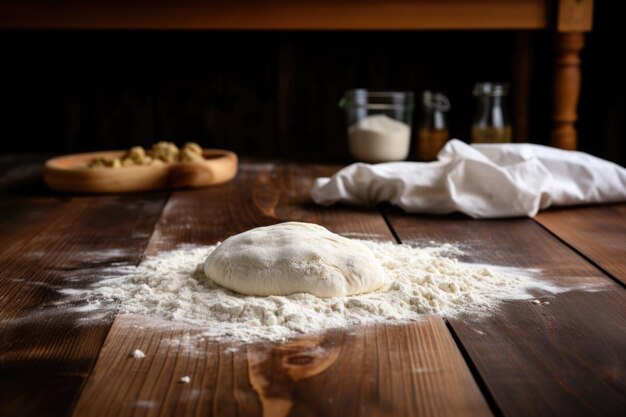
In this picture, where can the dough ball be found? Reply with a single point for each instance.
(165, 151)
(193, 147)
(98, 163)
(105, 163)
(291, 258)
(187, 155)
(137, 153)
(127, 162)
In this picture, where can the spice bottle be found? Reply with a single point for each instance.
(432, 133)
(491, 120)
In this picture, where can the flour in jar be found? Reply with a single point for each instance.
(419, 281)
(379, 138)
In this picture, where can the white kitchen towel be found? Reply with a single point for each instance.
(482, 181)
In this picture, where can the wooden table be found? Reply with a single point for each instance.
(566, 357)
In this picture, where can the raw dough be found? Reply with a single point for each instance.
(161, 153)
(291, 258)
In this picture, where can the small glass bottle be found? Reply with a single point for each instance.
(491, 121)
(432, 132)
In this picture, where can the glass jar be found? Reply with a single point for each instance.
(432, 131)
(379, 124)
(491, 121)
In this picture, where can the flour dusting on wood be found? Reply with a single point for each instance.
(422, 281)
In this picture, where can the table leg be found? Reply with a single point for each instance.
(566, 88)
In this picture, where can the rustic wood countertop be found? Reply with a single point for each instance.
(562, 358)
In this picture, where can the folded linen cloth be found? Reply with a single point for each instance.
(482, 181)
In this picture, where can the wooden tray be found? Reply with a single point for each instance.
(65, 173)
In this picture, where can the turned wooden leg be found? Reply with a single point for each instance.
(566, 88)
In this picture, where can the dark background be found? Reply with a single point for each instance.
(275, 93)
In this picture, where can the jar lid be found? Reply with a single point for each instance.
(435, 100)
(491, 89)
(377, 100)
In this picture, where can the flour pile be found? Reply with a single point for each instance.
(423, 281)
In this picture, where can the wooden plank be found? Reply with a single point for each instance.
(392, 370)
(597, 232)
(88, 233)
(46, 395)
(353, 222)
(277, 14)
(207, 216)
(562, 358)
(418, 371)
(45, 342)
(262, 194)
(413, 369)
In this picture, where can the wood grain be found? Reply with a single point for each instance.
(564, 356)
(208, 216)
(69, 244)
(413, 369)
(296, 204)
(85, 236)
(278, 14)
(22, 218)
(599, 233)
(261, 194)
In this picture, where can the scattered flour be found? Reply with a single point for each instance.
(138, 354)
(423, 281)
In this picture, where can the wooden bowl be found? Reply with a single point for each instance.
(68, 173)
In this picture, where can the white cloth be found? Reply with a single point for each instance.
(486, 180)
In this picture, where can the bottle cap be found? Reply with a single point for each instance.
(435, 100)
(491, 89)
